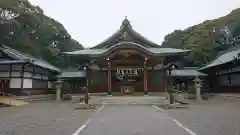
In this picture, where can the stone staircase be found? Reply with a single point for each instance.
(137, 100)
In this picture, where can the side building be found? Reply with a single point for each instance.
(22, 74)
(224, 71)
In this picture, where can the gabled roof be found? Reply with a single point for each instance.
(151, 51)
(187, 72)
(226, 57)
(25, 57)
(120, 36)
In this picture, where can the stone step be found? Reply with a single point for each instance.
(136, 102)
(133, 100)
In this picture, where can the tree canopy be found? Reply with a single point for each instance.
(26, 28)
(206, 40)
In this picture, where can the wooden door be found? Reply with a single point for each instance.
(4, 86)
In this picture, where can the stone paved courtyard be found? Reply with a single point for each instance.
(216, 116)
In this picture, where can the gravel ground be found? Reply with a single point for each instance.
(43, 118)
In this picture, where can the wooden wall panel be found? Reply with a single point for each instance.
(156, 81)
(98, 81)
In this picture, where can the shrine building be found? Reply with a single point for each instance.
(127, 63)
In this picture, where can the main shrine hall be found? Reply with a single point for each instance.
(126, 63)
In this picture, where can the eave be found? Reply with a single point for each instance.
(128, 45)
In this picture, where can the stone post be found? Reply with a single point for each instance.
(198, 88)
(59, 90)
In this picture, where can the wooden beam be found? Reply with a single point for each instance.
(41, 76)
(145, 77)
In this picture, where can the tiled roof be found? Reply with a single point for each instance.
(224, 58)
(33, 60)
(187, 72)
(125, 27)
(155, 51)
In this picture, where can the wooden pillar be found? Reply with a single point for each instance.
(170, 84)
(9, 79)
(229, 76)
(10, 71)
(145, 77)
(109, 78)
(164, 77)
(74, 87)
(22, 76)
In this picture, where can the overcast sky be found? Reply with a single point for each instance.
(91, 21)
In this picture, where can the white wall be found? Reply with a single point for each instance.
(4, 67)
(37, 76)
(16, 67)
(15, 83)
(4, 74)
(50, 84)
(27, 74)
(28, 68)
(45, 77)
(15, 74)
(27, 83)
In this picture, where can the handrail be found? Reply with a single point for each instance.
(5, 94)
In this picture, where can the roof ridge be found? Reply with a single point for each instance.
(233, 49)
(24, 56)
(13, 51)
(126, 22)
(126, 26)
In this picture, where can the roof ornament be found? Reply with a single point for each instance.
(126, 22)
